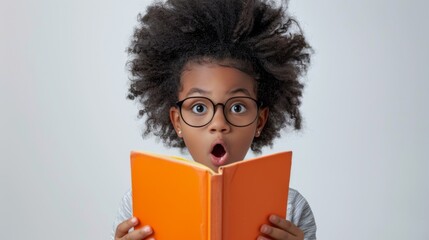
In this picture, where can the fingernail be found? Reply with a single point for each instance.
(134, 220)
(147, 229)
(265, 229)
(273, 219)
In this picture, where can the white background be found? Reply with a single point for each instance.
(66, 128)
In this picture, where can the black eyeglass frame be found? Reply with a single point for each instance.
(259, 104)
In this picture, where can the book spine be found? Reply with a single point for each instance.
(215, 207)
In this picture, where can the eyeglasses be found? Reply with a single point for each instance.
(238, 111)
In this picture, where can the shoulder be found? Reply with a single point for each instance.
(124, 211)
(300, 214)
(296, 200)
(126, 204)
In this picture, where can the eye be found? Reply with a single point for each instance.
(238, 108)
(199, 108)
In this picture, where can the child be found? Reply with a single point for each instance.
(218, 77)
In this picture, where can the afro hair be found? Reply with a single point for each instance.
(255, 36)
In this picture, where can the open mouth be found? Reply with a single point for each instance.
(218, 155)
(218, 151)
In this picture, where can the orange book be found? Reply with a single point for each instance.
(182, 199)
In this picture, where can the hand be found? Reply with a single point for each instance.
(122, 231)
(280, 229)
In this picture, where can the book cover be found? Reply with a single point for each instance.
(182, 199)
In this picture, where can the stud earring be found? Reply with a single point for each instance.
(258, 133)
(179, 132)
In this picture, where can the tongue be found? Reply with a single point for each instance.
(218, 151)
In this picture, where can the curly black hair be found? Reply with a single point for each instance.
(254, 36)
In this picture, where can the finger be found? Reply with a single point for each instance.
(274, 233)
(123, 228)
(262, 238)
(139, 234)
(285, 225)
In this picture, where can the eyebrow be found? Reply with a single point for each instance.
(197, 90)
(204, 92)
(240, 90)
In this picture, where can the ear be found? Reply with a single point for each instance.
(262, 119)
(175, 120)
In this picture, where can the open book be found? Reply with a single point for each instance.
(183, 199)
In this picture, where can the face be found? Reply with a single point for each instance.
(219, 142)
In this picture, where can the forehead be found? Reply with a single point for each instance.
(211, 79)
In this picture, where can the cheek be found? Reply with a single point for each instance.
(245, 139)
(194, 140)
(249, 141)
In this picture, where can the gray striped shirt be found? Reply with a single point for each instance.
(298, 212)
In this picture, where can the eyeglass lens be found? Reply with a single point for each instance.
(199, 111)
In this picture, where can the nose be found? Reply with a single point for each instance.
(219, 123)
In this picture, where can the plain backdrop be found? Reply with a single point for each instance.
(66, 128)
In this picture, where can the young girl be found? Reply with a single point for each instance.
(218, 77)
